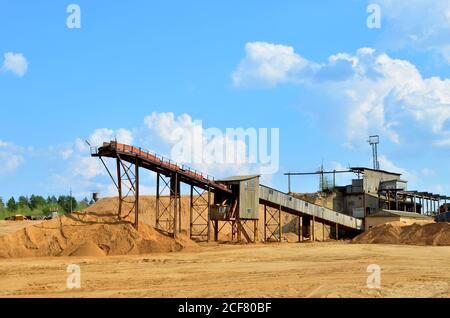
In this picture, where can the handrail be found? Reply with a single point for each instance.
(166, 162)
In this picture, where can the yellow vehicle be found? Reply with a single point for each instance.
(19, 217)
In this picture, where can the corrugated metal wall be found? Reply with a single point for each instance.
(287, 201)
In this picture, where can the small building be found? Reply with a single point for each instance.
(245, 202)
(385, 216)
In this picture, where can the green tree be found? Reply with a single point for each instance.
(11, 205)
(36, 201)
(67, 203)
(23, 202)
(2, 204)
(83, 204)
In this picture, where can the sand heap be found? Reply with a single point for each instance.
(417, 233)
(88, 234)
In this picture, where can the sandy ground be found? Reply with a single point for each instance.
(7, 227)
(333, 269)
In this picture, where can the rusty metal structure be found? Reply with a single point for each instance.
(213, 203)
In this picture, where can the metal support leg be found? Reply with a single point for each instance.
(136, 202)
(174, 190)
(209, 213)
(191, 211)
(265, 223)
(216, 230)
(157, 202)
(314, 229)
(119, 187)
(300, 228)
(337, 232)
(280, 224)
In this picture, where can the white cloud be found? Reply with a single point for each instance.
(419, 24)
(66, 153)
(388, 165)
(15, 63)
(378, 93)
(80, 171)
(101, 135)
(267, 64)
(11, 158)
(189, 143)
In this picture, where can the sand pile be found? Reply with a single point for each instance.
(147, 214)
(417, 233)
(88, 234)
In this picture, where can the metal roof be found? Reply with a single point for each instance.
(399, 213)
(239, 178)
(361, 169)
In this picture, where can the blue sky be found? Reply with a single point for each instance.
(295, 65)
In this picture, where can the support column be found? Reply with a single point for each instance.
(313, 229)
(300, 228)
(323, 232)
(265, 223)
(174, 190)
(256, 231)
(396, 201)
(389, 199)
(337, 232)
(422, 205)
(136, 203)
(209, 214)
(307, 228)
(216, 230)
(157, 201)
(191, 211)
(119, 187)
(281, 224)
(238, 230)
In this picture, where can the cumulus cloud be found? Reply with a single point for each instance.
(80, 171)
(101, 135)
(209, 150)
(267, 64)
(15, 63)
(378, 93)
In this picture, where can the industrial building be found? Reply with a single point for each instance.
(239, 200)
(373, 191)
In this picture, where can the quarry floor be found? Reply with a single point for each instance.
(332, 269)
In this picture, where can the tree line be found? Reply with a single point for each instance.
(38, 205)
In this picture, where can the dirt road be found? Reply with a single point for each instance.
(274, 270)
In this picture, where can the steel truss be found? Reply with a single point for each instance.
(168, 207)
(127, 186)
(272, 224)
(200, 206)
